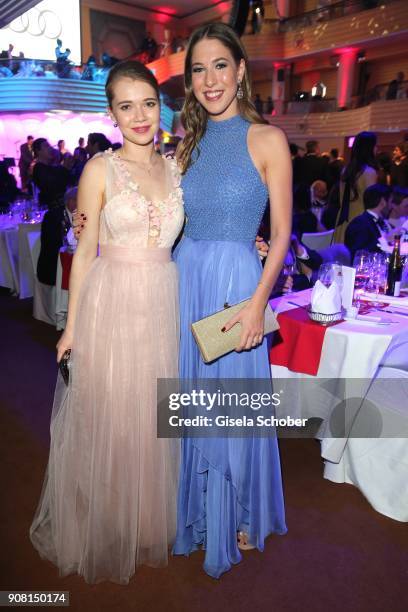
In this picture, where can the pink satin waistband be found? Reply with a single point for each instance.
(135, 254)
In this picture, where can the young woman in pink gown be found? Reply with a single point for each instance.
(109, 498)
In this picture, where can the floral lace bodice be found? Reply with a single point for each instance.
(129, 219)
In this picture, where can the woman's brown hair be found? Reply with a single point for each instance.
(133, 70)
(193, 115)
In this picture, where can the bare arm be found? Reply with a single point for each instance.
(274, 152)
(90, 198)
(273, 159)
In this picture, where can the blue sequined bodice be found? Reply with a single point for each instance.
(224, 197)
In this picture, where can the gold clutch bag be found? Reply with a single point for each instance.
(214, 343)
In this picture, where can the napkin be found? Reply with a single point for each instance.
(71, 240)
(401, 302)
(347, 291)
(326, 300)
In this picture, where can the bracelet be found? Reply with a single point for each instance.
(265, 285)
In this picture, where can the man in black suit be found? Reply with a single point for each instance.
(26, 158)
(364, 231)
(52, 181)
(335, 168)
(296, 163)
(55, 225)
(313, 167)
(399, 168)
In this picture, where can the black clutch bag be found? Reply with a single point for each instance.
(64, 366)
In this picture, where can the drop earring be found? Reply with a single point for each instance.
(240, 91)
(115, 124)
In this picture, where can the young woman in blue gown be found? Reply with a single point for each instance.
(230, 490)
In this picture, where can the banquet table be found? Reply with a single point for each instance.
(19, 251)
(359, 352)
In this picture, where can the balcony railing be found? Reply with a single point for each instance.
(46, 92)
(18, 67)
(333, 10)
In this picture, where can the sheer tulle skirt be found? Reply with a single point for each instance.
(109, 497)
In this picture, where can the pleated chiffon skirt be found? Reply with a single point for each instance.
(226, 484)
(108, 502)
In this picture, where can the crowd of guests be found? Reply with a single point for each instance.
(323, 184)
(385, 214)
(93, 70)
(49, 171)
(62, 68)
(361, 201)
(51, 174)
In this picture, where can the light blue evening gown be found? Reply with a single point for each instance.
(226, 484)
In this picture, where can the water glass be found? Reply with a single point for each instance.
(362, 258)
(289, 269)
(377, 280)
(362, 262)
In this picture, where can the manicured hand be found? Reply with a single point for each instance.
(78, 223)
(64, 343)
(251, 319)
(262, 247)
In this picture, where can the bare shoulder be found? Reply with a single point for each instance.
(97, 162)
(268, 136)
(95, 170)
(269, 146)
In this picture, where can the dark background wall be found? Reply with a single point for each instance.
(118, 36)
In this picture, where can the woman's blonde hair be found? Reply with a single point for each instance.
(193, 115)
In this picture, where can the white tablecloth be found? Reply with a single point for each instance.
(358, 351)
(355, 349)
(19, 252)
(61, 299)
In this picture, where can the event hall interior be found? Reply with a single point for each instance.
(332, 77)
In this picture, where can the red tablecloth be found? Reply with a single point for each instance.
(298, 343)
(66, 262)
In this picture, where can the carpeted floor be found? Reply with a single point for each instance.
(339, 554)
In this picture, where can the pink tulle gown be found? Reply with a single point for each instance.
(108, 502)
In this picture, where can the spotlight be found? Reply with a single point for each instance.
(319, 91)
(302, 96)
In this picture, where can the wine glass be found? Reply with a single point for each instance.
(377, 280)
(330, 272)
(362, 263)
(404, 278)
(289, 269)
